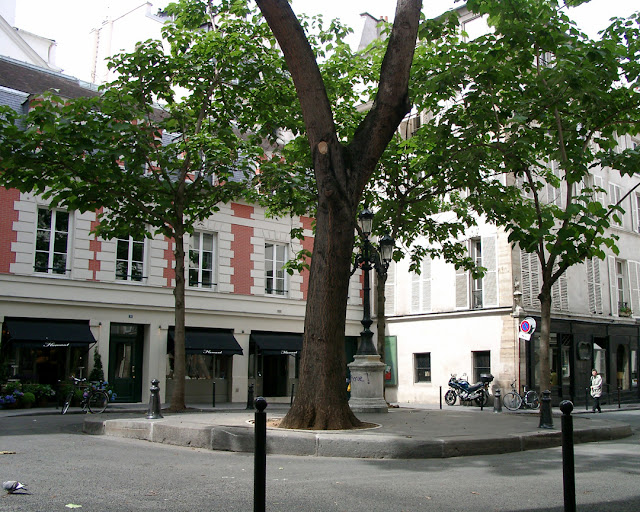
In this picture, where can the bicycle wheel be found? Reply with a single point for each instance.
(67, 403)
(450, 397)
(531, 400)
(512, 401)
(98, 401)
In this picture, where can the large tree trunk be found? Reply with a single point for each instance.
(179, 354)
(321, 399)
(341, 174)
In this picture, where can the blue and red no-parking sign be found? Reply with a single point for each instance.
(527, 328)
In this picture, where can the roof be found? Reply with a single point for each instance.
(33, 80)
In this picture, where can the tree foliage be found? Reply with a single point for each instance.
(522, 116)
(179, 131)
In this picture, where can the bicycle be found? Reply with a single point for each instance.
(514, 400)
(95, 400)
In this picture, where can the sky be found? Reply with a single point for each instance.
(69, 22)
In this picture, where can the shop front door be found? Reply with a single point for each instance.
(125, 361)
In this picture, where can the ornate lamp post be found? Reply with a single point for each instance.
(367, 371)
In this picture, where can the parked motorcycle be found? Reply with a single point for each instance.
(461, 388)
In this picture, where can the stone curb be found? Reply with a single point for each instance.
(341, 444)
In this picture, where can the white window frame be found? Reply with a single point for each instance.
(274, 273)
(197, 250)
(130, 277)
(50, 251)
(615, 194)
(477, 283)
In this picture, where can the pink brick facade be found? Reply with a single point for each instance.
(8, 215)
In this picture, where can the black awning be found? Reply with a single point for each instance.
(206, 341)
(274, 343)
(40, 333)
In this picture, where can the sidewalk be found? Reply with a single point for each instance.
(418, 431)
(410, 431)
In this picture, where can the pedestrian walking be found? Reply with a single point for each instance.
(596, 389)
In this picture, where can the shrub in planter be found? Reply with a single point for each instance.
(27, 399)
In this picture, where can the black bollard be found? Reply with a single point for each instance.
(250, 397)
(568, 467)
(497, 401)
(546, 416)
(213, 395)
(586, 399)
(260, 459)
(153, 413)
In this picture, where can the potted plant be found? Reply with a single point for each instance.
(625, 310)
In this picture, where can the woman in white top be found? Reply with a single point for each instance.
(596, 390)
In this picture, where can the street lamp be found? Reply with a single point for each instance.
(371, 258)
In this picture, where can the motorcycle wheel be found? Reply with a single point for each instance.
(450, 397)
(482, 399)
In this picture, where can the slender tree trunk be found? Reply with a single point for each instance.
(179, 355)
(545, 330)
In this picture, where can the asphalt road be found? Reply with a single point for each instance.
(64, 467)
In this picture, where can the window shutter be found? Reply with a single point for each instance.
(530, 279)
(390, 291)
(415, 293)
(426, 285)
(635, 221)
(559, 294)
(490, 279)
(634, 288)
(594, 286)
(613, 286)
(462, 289)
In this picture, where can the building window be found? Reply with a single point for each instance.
(422, 365)
(476, 283)
(52, 241)
(615, 196)
(129, 259)
(621, 280)
(275, 256)
(201, 258)
(637, 212)
(481, 364)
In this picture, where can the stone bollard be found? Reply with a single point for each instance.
(546, 416)
(497, 400)
(568, 465)
(250, 398)
(153, 413)
(260, 458)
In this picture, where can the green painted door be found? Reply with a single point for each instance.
(125, 361)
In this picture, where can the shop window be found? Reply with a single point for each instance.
(130, 259)
(422, 366)
(634, 369)
(52, 241)
(481, 364)
(275, 257)
(201, 260)
(600, 357)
